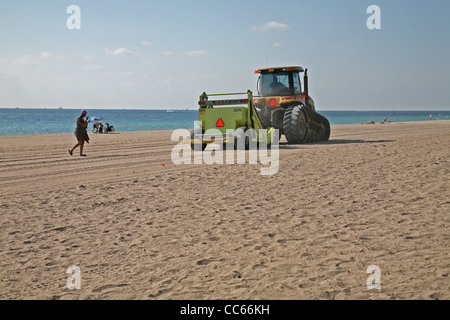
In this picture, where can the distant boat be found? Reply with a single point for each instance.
(170, 110)
(60, 108)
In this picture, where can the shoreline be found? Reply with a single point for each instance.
(148, 131)
(195, 109)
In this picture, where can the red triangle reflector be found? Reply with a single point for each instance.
(220, 123)
(273, 103)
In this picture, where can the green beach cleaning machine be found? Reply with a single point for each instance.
(234, 120)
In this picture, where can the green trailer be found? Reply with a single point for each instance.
(231, 120)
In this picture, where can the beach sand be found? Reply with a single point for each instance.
(140, 227)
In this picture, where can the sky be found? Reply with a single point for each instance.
(149, 54)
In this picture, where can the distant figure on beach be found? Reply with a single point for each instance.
(431, 117)
(81, 133)
(385, 119)
(94, 128)
(100, 128)
(108, 128)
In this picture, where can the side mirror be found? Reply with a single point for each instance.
(257, 86)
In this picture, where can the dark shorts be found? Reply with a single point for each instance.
(80, 134)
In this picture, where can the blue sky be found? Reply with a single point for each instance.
(163, 54)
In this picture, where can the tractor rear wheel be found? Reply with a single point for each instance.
(295, 125)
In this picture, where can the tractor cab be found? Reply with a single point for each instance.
(283, 81)
(281, 87)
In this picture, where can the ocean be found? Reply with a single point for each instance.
(40, 121)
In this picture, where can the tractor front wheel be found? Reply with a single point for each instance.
(295, 125)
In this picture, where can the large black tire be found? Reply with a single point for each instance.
(197, 131)
(318, 126)
(295, 125)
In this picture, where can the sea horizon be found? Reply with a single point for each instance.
(22, 121)
(195, 109)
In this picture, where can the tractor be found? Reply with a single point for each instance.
(251, 120)
(282, 104)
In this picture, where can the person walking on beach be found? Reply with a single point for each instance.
(81, 133)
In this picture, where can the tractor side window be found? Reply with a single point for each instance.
(297, 85)
(265, 81)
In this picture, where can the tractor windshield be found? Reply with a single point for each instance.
(279, 84)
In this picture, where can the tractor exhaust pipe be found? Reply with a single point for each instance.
(305, 81)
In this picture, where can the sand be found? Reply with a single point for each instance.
(140, 227)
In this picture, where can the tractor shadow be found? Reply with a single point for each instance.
(287, 146)
(347, 141)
